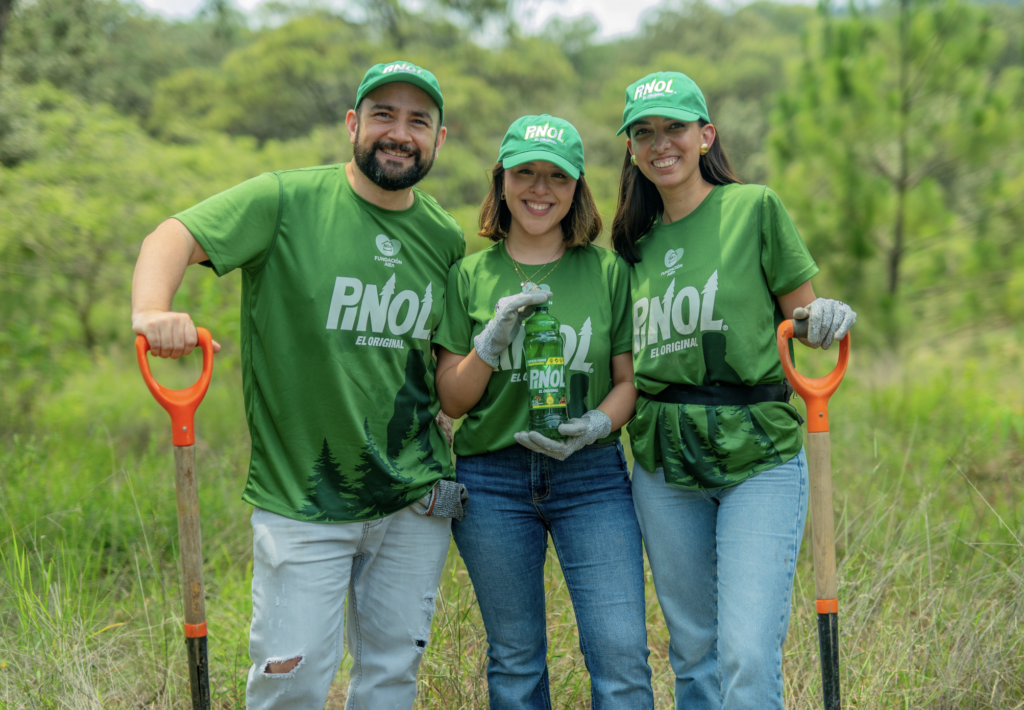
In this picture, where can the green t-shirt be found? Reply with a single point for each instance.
(590, 299)
(339, 301)
(704, 314)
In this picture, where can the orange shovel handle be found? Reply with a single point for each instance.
(815, 392)
(180, 404)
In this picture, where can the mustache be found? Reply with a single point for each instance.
(402, 147)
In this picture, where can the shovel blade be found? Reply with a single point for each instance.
(828, 649)
(198, 672)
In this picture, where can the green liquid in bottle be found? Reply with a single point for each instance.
(545, 368)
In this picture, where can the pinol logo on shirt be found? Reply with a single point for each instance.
(546, 133)
(657, 87)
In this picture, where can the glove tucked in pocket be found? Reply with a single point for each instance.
(447, 499)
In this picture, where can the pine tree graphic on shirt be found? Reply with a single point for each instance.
(579, 386)
(325, 483)
(368, 489)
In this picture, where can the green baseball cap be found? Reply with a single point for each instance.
(543, 137)
(380, 74)
(664, 93)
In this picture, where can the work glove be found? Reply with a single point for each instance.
(447, 499)
(580, 432)
(445, 422)
(509, 314)
(829, 320)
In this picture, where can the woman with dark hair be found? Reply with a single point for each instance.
(720, 475)
(523, 485)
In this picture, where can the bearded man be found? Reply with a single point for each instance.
(344, 270)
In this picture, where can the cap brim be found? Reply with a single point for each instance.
(409, 78)
(512, 161)
(665, 111)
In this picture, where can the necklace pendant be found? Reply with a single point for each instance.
(528, 286)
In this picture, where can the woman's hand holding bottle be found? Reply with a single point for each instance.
(509, 314)
(579, 432)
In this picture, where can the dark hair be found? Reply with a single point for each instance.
(580, 226)
(640, 202)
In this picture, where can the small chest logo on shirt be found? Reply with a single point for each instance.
(672, 261)
(389, 248)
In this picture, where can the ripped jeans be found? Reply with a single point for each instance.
(389, 569)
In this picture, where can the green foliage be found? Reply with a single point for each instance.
(301, 75)
(896, 133)
(105, 50)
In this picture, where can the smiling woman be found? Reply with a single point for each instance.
(720, 479)
(542, 216)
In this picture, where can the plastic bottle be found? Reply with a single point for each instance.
(545, 367)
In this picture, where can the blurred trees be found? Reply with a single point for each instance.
(106, 50)
(897, 129)
(892, 133)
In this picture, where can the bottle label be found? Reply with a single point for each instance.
(547, 382)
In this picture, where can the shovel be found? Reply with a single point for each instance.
(181, 405)
(815, 393)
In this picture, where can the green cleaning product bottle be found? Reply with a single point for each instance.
(545, 365)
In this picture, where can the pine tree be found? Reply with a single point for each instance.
(412, 418)
(324, 497)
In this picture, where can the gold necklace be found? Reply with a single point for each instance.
(528, 281)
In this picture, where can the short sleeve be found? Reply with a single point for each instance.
(455, 331)
(237, 227)
(622, 321)
(784, 257)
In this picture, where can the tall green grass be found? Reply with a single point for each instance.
(927, 460)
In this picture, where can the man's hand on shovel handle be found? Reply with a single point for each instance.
(163, 258)
(170, 334)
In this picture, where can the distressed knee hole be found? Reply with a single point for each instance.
(282, 668)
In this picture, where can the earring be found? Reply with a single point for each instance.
(704, 148)
(632, 159)
(502, 194)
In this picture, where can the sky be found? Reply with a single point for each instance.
(614, 16)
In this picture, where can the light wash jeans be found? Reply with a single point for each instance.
(301, 573)
(723, 562)
(518, 497)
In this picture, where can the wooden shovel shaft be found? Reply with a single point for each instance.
(191, 543)
(819, 463)
(819, 459)
(189, 537)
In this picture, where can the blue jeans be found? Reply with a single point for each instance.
(517, 497)
(723, 563)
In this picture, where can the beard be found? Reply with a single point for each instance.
(388, 174)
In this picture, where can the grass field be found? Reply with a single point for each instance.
(928, 456)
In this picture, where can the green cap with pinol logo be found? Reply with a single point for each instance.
(543, 137)
(380, 74)
(664, 93)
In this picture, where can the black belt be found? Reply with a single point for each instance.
(722, 395)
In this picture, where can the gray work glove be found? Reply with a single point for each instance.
(501, 330)
(587, 429)
(447, 499)
(829, 320)
(445, 422)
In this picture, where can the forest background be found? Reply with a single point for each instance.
(892, 132)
